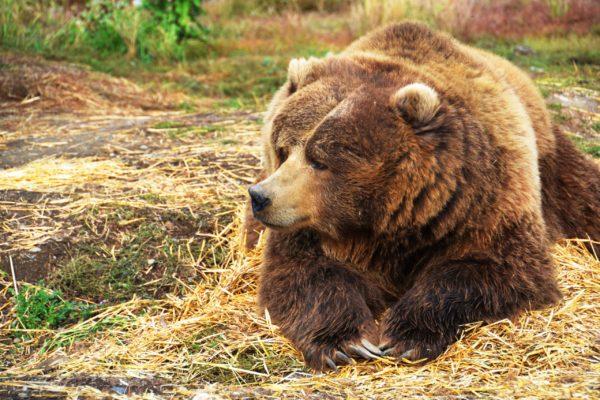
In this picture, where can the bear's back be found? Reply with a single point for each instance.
(479, 78)
(495, 94)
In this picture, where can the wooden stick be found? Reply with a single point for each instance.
(14, 277)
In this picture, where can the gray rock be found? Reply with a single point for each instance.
(119, 389)
(523, 50)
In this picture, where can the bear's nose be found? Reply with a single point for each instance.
(259, 199)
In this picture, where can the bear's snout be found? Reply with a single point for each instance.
(258, 198)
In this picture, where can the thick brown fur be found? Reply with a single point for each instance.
(414, 185)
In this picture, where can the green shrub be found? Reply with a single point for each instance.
(98, 27)
(167, 28)
(178, 17)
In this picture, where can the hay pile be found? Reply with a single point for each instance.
(208, 340)
(31, 83)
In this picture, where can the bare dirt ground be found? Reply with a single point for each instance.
(62, 116)
(112, 196)
(130, 139)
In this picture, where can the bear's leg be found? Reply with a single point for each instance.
(324, 308)
(484, 286)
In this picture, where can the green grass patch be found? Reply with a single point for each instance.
(38, 308)
(145, 263)
(557, 62)
(69, 336)
(168, 125)
(547, 52)
(153, 198)
(45, 313)
(211, 128)
(587, 146)
(244, 80)
(557, 113)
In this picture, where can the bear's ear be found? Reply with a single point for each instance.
(299, 70)
(417, 103)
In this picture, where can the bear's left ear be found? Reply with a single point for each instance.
(299, 71)
(417, 103)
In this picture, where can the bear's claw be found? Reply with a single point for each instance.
(330, 363)
(389, 350)
(363, 352)
(371, 347)
(339, 357)
(323, 359)
(342, 357)
(415, 350)
(408, 354)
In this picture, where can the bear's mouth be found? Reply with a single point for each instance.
(276, 226)
(272, 226)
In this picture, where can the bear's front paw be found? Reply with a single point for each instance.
(415, 346)
(323, 355)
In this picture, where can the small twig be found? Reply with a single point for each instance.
(14, 276)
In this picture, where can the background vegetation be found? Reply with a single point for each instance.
(237, 50)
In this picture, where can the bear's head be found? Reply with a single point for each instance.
(354, 150)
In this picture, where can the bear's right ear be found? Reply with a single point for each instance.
(299, 70)
(417, 103)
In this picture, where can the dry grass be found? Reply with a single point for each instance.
(207, 176)
(63, 88)
(469, 19)
(210, 338)
(203, 337)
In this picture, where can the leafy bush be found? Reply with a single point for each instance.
(153, 32)
(167, 28)
(178, 17)
(158, 30)
(98, 26)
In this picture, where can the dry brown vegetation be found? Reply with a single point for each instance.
(210, 337)
(468, 19)
(60, 87)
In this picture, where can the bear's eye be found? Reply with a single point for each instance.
(317, 165)
(282, 154)
(311, 155)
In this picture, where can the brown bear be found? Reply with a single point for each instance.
(412, 185)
